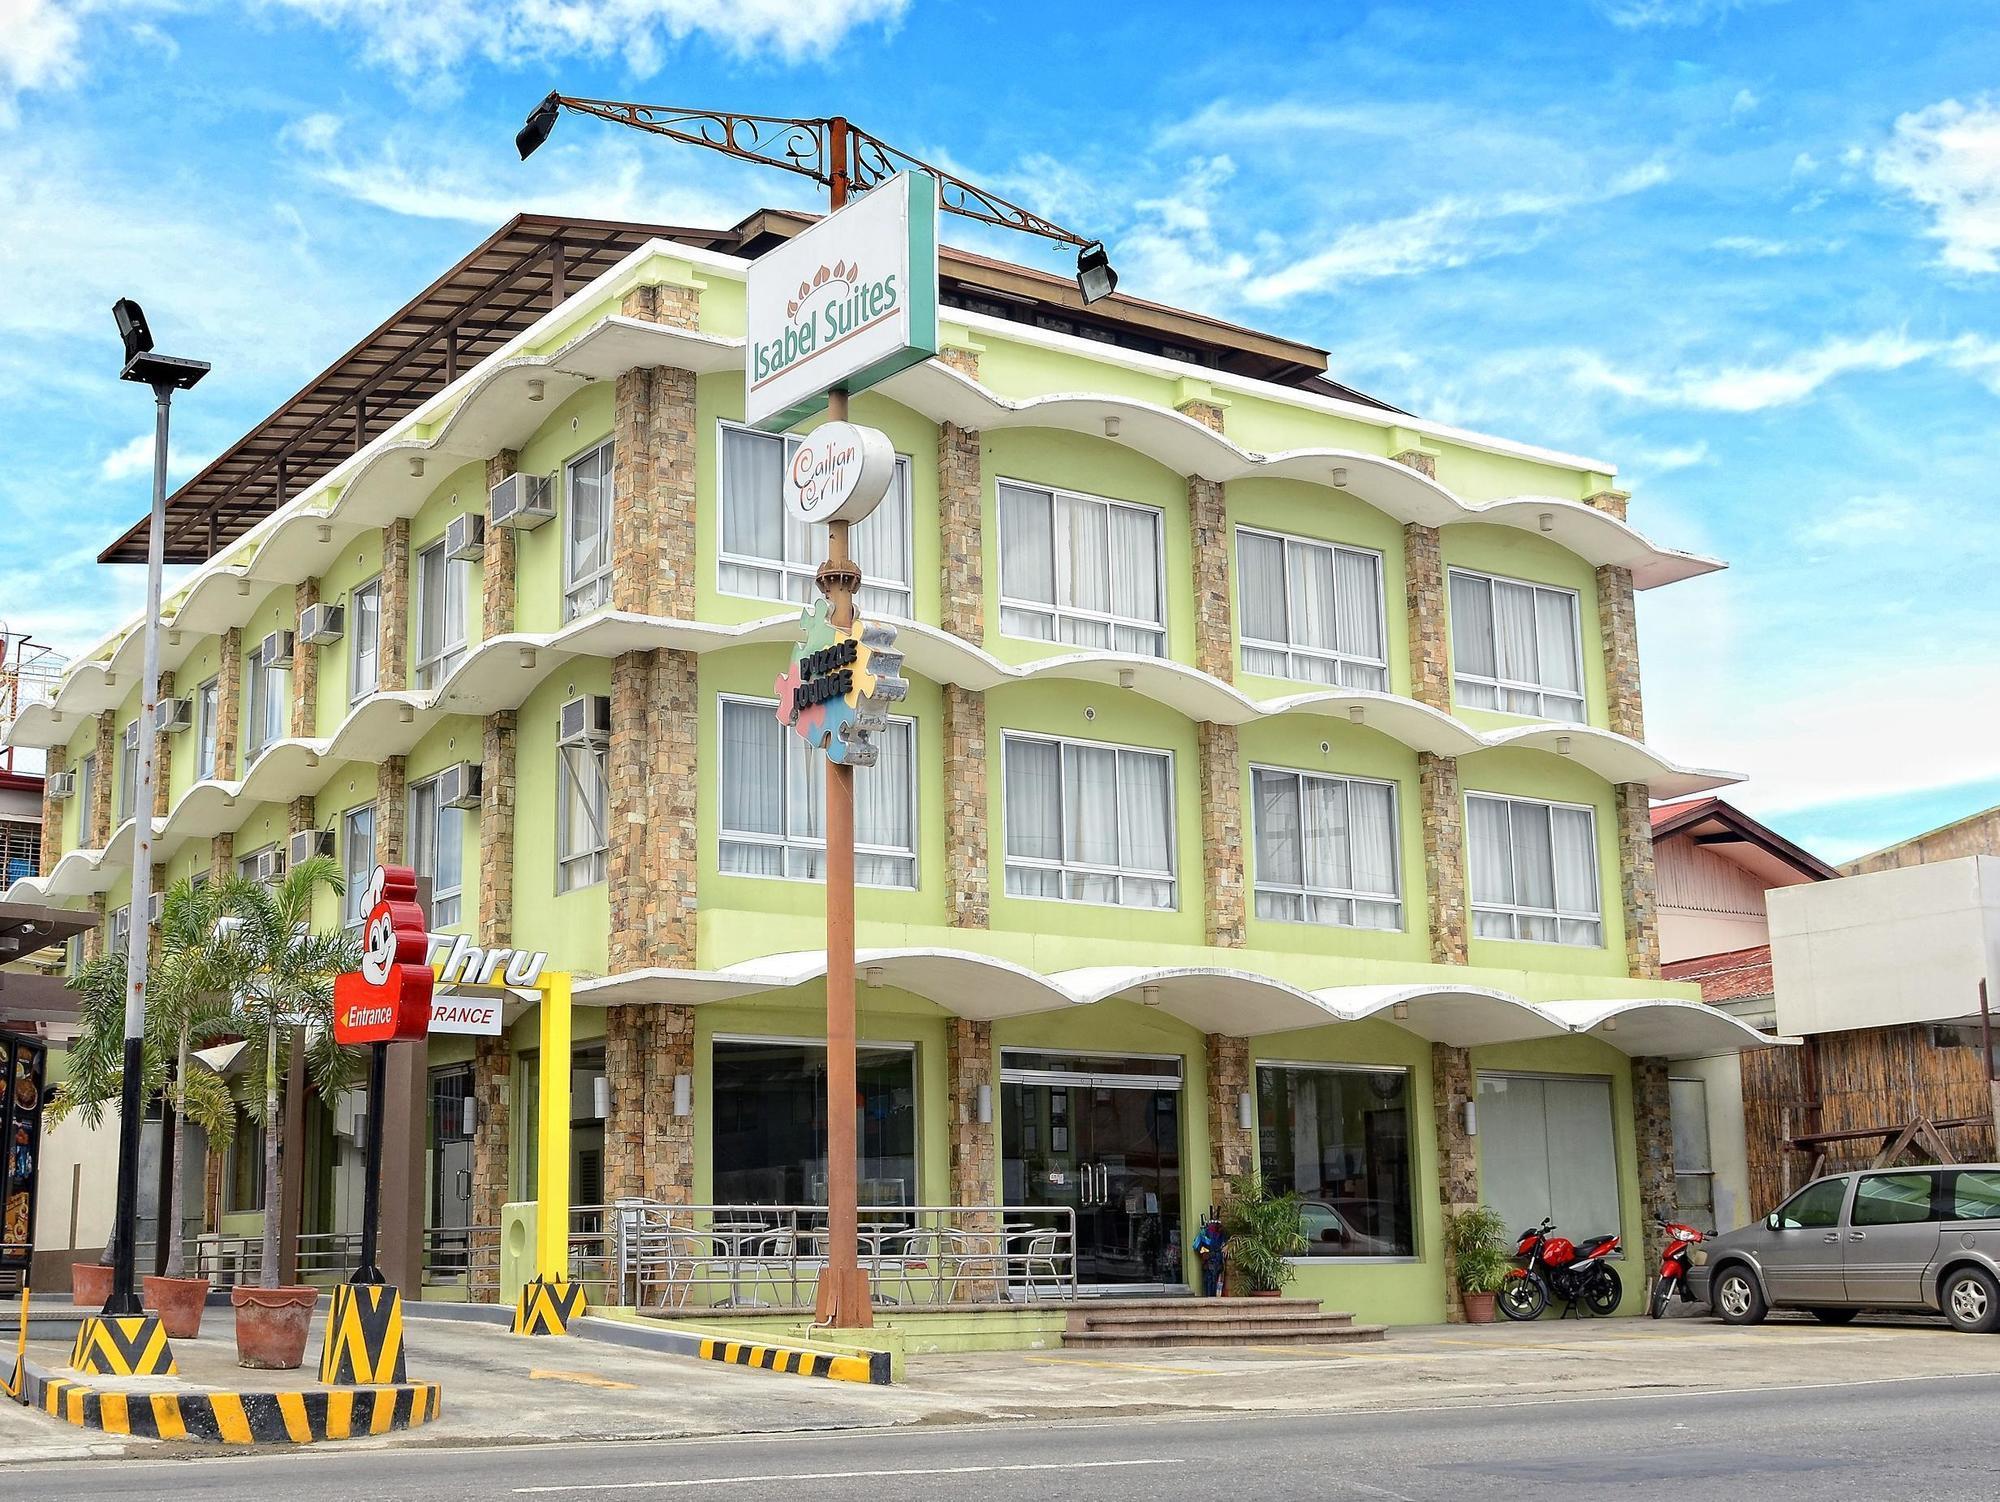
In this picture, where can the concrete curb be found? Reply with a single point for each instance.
(797, 1361)
(233, 1418)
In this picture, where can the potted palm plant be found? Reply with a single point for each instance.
(1262, 1232)
(281, 974)
(1477, 1241)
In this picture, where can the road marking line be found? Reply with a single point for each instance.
(950, 1470)
(582, 1379)
(1126, 1366)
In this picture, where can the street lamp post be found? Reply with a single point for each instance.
(166, 375)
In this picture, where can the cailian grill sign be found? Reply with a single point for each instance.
(849, 302)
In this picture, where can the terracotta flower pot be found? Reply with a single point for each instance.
(89, 1284)
(1478, 1308)
(271, 1326)
(178, 1302)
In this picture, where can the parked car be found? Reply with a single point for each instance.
(1895, 1238)
(1329, 1233)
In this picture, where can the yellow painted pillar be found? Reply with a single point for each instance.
(552, 1165)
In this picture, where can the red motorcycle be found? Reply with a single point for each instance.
(1674, 1264)
(1556, 1267)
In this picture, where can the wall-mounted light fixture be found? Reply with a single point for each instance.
(1401, 1011)
(536, 389)
(527, 658)
(405, 713)
(468, 1118)
(323, 533)
(1547, 521)
(1472, 1118)
(416, 465)
(1246, 1110)
(1110, 427)
(600, 1097)
(1127, 677)
(1357, 713)
(1562, 745)
(1611, 1024)
(173, 638)
(683, 1095)
(1340, 477)
(985, 1107)
(1149, 996)
(873, 975)
(243, 586)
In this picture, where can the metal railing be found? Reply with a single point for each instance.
(660, 1256)
(467, 1257)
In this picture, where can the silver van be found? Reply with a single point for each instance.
(1892, 1238)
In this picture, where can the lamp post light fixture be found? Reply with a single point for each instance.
(166, 374)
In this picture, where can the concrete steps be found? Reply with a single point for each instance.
(1210, 1322)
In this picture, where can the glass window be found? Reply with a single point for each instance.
(582, 815)
(773, 786)
(207, 701)
(364, 637)
(437, 845)
(441, 593)
(357, 860)
(1340, 1139)
(121, 931)
(1325, 849)
(1534, 870)
(1515, 647)
(769, 1110)
(1975, 1195)
(246, 1168)
(1080, 569)
(1546, 1147)
(86, 798)
(1694, 1172)
(587, 532)
(1894, 1199)
(1311, 610)
(1089, 823)
(128, 772)
(1815, 1207)
(770, 556)
(270, 690)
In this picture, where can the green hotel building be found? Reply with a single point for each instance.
(1271, 792)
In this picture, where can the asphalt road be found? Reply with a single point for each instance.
(1904, 1440)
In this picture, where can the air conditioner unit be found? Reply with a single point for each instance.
(60, 785)
(585, 722)
(173, 714)
(458, 786)
(156, 909)
(269, 866)
(308, 843)
(522, 502)
(322, 624)
(465, 536)
(276, 651)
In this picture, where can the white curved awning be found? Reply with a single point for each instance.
(1461, 1016)
(1661, 1027)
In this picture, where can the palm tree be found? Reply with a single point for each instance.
(281, 972)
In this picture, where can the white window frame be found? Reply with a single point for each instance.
(1306, 892)
(584, 865)
(1069, 868)
(359, 688)
(1061, 566)
(1342, 661)
(436, 661)
(207, 725)
(796, 577)
(789, 843)
(1516, 912)
(1541, 692)
(447, 903)
(118, 933)
(265, 720)
(356, 873)
(585, 593)
(125, 795)
(86, 797)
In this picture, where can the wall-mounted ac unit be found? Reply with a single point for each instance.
(308, 843)
(585, 721)
(60, 785)
(269, 866)
(173, 714)
(465, 536)
(522, 502)
(322, 624)
(276, 650)
(458, 786)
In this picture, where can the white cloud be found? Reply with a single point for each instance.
(1947, 158)
(128, 459)
(38, 49)
(1754, 388)
(1634, 15)
(1744, 102)
(1755, 246)
(1868, 520)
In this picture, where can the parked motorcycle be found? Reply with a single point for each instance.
(1674, 1264)
(1554, 1267)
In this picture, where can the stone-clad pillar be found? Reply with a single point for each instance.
(496, 828)
(653, 568)
(1457, 1153)
(651, 863)
(1638, 881)
(305, 665)
(648, 1150)
(966, 855)
(163, 756)
(1221, 834)
(392, 812)
(95, 938)
(56, 762)
(1653, 1130)
(1232, 1147)
(103, 782)
(1424, 600)
(222, 857)
(492, 1082)
(301, 814)
(972, 1157)
(961, 523)
(1208, 539)
(497, 582)
(229, 706)
(393, 655)
(1618, 628)
(1443, 813)
(493, 1058)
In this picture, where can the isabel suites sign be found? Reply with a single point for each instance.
(848, 303)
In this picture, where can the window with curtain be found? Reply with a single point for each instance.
(1534, 870)
(1081, 569)
(269, 691)
(1325, 849)
(1546, 1147)
(773, 814)
(768, 555)
(587, 532)
(86, 796)
(1311, 610)
(207, 701)
(441, 595)
(364, 638)
(1515, 647)
(1089, 823)
(437, 846)
(128, 773)
(357, 862)
(583, 799)
(121, 931)
(1339, 1138)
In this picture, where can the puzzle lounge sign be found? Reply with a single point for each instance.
(836, 691)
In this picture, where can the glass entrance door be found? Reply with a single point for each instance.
(1100, 1136)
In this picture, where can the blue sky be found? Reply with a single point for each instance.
(1748, 251)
